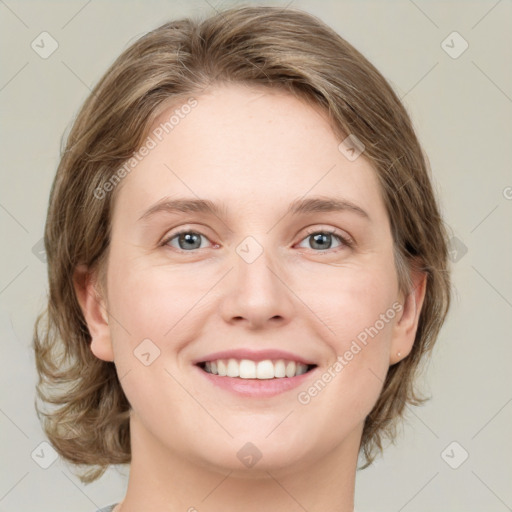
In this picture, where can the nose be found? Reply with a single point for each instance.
(256, 294)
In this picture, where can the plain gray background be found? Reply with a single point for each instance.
(460, 103)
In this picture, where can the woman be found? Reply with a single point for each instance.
(247, 265)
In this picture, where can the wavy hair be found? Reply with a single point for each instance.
(83, 408)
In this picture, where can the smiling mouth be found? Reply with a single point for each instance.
(255, 370)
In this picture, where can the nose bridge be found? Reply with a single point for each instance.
(256, 292)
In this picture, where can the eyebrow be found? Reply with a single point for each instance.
(297, 207)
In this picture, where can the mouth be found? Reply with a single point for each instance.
(255, 379)
(256, 373)
(247, 369)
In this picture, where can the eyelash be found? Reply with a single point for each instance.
(345, 241)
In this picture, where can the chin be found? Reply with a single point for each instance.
(255, 458)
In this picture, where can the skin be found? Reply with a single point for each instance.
(256, 150)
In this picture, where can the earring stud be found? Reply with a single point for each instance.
(398, 354)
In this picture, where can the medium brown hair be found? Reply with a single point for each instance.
(269, 46)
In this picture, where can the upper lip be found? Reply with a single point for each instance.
(253, 355)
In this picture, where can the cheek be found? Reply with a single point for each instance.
(348, 386)
(150, 301)
(150, 306)
(357, 305)
(360, 309)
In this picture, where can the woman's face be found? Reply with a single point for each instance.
(269, 270)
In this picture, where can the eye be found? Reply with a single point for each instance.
(322, 240)
(186, 240)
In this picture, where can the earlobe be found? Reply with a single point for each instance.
(95, 313)
(404, 331)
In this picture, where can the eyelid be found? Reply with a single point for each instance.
(173, 234)
(344, 237)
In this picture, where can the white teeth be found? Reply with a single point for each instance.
(247, 369)
(232, 370)
(265, 370)
(279, 369)
(221, 368)
(290, 369)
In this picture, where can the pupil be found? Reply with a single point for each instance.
(320, 240)
(321, 236)
(189, 238)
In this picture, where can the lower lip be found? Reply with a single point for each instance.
(256, 388)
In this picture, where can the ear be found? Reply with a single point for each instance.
(94, 309)
(404, 330)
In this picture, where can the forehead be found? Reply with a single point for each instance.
(247, 146)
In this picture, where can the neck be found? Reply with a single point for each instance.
(163, 481)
